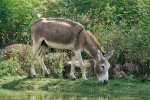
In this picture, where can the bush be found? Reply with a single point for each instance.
(15, 21)
(10, 67)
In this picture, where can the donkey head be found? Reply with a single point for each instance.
(102, 66)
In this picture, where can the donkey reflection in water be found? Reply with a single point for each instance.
(66, 34)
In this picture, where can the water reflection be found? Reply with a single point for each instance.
(102, 98)
(34, 95)
(69, 97)
(38, 97)
(62, 97)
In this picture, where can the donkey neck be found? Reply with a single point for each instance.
(91, 48)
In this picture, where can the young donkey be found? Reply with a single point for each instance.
(66, 34)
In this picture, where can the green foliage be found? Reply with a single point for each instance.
(15, 21)
(57, 68)
(54, 66)
(10, 67)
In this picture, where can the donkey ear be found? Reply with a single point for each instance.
(100, 55)
(107, 56)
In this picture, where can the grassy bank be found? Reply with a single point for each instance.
(114, 87)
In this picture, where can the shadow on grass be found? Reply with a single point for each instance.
(13, 84)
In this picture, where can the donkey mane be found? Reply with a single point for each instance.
(94, 39)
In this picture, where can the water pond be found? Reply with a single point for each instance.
(42, 95)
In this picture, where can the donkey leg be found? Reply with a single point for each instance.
(72, 76)
(41, 54)
(79, 58)
(35, 49)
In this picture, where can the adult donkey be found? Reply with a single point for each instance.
(66, 34)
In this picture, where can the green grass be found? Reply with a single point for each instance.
(92, 86)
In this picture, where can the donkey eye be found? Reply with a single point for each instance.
(102, 67)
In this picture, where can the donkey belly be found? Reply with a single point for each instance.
(59, 45)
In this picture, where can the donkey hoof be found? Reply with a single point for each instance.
(85, 79)
(34, 76)
(73, 78)
(47, 75)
